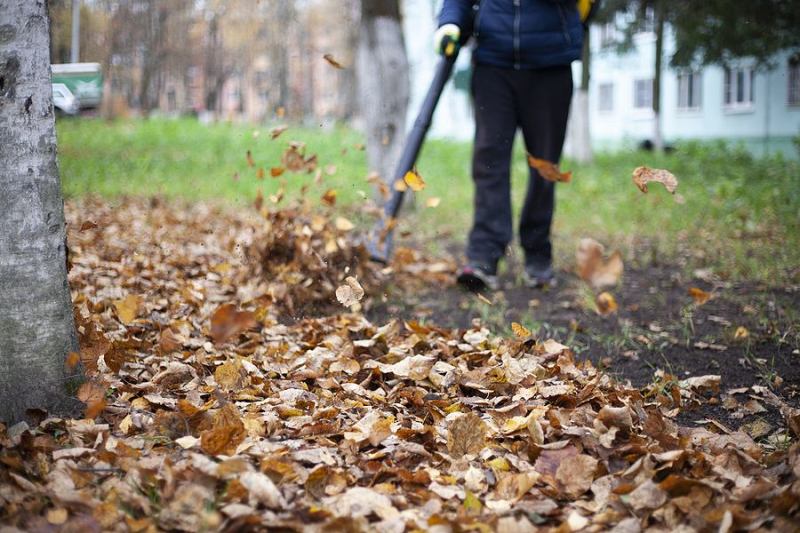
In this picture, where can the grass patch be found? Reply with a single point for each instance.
(740, 215)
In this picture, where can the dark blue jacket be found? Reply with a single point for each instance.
(519, 34)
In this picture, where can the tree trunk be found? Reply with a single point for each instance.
(383, 84)
(36, 323)
(658, 140)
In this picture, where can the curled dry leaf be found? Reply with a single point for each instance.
(644, 175)
(466, 435)
(593, 268)
(329, 198)
(331, 61)
(549, 170)
(350, 293)
(276, 171)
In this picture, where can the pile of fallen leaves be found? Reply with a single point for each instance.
(205, 411)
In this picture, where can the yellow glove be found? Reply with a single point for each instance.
(445, 40)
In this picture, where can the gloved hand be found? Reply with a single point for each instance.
(445, 40)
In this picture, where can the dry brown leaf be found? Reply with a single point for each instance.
(350, 293)
(466, 435)
(593, 268)
(699, 295)
(94, 396)
(644, 175)
(260, 173)
(549, 170)
(276, 171)
(575, 474)
(227, 322)
(342, 224)
(226, 433)
(249, 156)
(275, 132)
(329, 198)
(331, 61)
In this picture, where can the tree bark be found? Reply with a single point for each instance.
(383, 84)
(37, 330)
(658, 140)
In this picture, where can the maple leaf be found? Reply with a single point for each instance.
(549, 170)
(644, 175)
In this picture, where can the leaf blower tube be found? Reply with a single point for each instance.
(379, 244)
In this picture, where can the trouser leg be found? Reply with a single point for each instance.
(495, 126)
(543, 100)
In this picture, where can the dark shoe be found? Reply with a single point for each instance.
(539, 274)
(476, 277)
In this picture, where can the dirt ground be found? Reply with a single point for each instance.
(748, 334)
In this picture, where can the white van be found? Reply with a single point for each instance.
(64, 101)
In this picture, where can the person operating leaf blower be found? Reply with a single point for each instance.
(521, 79)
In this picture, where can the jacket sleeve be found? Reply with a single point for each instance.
(458, 12)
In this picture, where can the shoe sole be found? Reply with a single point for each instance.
(536, 283)
(474, 283)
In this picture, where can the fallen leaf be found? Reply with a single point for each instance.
(94, 396)
(350, 293)
(329, 58)
(644, 175)
(606, 304)
(549, 170)
(227, 322)
(57, 516)
(87, 226)
(593, 268)
(741, 333)
(414, 180)
(576, 473)
(699, 295)
(128, 308)
(466, 435)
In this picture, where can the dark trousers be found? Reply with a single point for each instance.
(538, 102)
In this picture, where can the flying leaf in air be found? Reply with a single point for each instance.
(699, 295)
(350, 293)
(276, 171)
(548, 170)
(433, 202)
(249, 156)
(414, 180)
(275, 132)
(329, 58)
(606, 304)
(329, 198)
(227, 322)
(644, 175)
(127, 308)
(593, 268)
(520, 331)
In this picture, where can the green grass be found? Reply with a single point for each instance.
(740, 215)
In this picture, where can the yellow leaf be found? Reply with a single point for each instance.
(414, 180)
(520, 331)
(127, 308)
(499, 464)
(741, 333)
(400, 185)
(472, 504)
(606, 304)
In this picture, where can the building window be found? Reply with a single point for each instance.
(794, 81)
(643, 94)
(605, 97)
(739, 85)
(689, 90)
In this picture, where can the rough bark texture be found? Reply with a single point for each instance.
(383, 83)
(36, 324)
